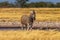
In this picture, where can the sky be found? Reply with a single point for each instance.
(54, 1)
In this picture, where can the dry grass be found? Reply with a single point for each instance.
(29, 35)
(42, 14)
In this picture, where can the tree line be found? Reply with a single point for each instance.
(25, 4)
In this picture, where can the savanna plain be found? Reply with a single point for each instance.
(42, 14)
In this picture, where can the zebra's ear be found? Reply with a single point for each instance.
(32, 12)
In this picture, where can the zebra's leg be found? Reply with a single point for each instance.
(30, 26)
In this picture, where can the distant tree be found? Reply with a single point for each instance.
(6, 4)
(38, 4)
(42, 4)
(50, 4)
(21, 3)
(58, 4)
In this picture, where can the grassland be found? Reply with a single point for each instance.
(42, 14)
(29, 35)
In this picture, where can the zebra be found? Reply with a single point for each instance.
(28, 20)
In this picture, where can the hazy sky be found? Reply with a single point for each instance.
(34, 0)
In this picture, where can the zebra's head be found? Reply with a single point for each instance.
(33, 14)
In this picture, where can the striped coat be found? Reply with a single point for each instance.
(28, 20)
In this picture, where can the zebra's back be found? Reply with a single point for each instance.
(24, 19)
